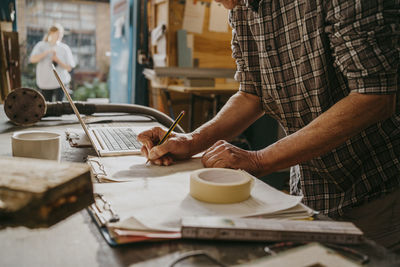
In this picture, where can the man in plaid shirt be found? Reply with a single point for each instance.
(328, 72)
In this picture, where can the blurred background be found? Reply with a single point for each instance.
(87, 33)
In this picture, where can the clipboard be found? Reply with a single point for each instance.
(99, 217)
(103, 230)
(77, 138)
(102, 216)
(117, 178)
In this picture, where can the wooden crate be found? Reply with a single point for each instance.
(210, 50)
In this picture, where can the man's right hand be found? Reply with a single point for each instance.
(176, 147)
(51, 52)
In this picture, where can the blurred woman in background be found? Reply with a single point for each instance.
(52, 51)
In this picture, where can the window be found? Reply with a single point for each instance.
(78, 20)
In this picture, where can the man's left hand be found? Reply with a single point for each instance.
(55, 58)
(225, 155)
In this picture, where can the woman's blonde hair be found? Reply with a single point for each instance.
(55, 28)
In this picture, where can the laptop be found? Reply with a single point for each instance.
(107, 141)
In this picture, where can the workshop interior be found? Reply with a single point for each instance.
(92, 90)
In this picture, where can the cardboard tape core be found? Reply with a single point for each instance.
(220, 186)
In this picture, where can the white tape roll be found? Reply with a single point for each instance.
(220, 186)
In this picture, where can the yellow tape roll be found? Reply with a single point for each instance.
(220, 186)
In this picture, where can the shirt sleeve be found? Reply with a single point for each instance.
(364, 38)
(70, 57)
(37, 49)
(245, 54)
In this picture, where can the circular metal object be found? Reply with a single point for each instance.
(25, 106)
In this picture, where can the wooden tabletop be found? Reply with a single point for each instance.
(76, 241)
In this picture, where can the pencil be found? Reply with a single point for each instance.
(170, 130)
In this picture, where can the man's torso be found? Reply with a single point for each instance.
(287, 51)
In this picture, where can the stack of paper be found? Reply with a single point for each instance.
(151, 200)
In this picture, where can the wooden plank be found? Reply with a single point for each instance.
(11, 48)
(176, 9)
(39, 193)
(4, 77)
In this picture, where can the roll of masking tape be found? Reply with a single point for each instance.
(220, 186)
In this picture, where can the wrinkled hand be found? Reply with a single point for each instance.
(176, 147)
(225, 155)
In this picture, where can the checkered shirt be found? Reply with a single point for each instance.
(301, 57)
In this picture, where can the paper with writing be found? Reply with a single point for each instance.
(193, 16)
(159, 197)
(218, 18)
(128, 168)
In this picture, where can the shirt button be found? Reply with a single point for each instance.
(268, 47)
(278, 87)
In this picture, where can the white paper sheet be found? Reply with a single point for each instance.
(160, 201)
(131, 168)
(218, 18)
(193, 16)
(190, 41)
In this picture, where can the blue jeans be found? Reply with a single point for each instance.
(48, 94)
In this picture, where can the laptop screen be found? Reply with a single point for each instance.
(72, 104)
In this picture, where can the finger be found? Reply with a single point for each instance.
(220, 156)
(163, 161)
(220, 163)
(160, 132)
(148, 144)
(171, 145)
(209, 152)
(145, 135)
(154, 135)
(216, 144)
(216, 161)
(145, 151)
(161, 150)
(167, 160)
(216, 148)
(149, 138)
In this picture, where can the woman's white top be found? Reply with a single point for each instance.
(45, 78)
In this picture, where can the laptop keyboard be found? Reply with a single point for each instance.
(119, 138)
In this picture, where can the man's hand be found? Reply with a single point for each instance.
(176, 147)
(225, 155)
(59, 62)
(55, 58)
(229, 122)
(39, 57)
